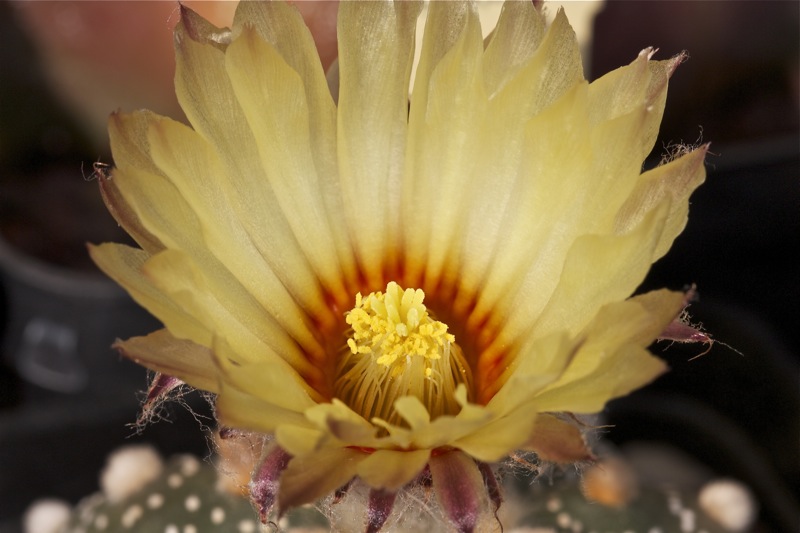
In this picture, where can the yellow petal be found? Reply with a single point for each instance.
(447, 108)
(124, 265)
(533, 213)
(310, 477)
(495, 237)
(514, 40)
(446, 429)
(599, 270)
(270, 379)
(272, 97)
(175, 274)
(612, 360)
(183, 359)
(299, 440)
(343, 423)
(391, 469)
(626, 369)
(195, 171)
(211, 104)
(675, 180)
(243, 410)
(413, 411)
(373, 108)
(537, 364)
(496, 439)
(282, 26)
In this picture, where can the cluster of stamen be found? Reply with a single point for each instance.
(396, 348)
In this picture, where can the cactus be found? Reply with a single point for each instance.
(184, 498)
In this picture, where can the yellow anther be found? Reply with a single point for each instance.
(396, 348)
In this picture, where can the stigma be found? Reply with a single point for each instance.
(396, 348)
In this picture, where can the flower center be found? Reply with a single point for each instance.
(396, 348)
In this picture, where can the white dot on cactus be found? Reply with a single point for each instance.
(101, 522)
(46, 516)
(563, 520)
(155, 500)
(577, 526)
(174, 481)
(655, 530)
(553, 504)
(192, 503)
(217, 515)
(189, 465)
(132, 515)
(128, 470)
(246, 526)
(189, 528)
(171, 528)
(687, 520)
(729, 503)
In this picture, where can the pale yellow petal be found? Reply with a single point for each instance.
(496, 439)
(299, 440)
(272, 98)
(282, 26)
(597, 270)
(124, 264)
(620, 92)
(373, 106)
(612, 360)
(520, 79)
(209, 100)
(514, 40)
(165, 212)
(626, 369)
(391, 469)
(540, 78)
(175, 274)
(270, 379)
(538, 363)
(238, 409)
(447, 109)
(413, 411)
(128, 138)
(312, 476)
(195, 171)
(183, 359)
(525, 227)
(446, 429)
(676, 180)
(343, 423)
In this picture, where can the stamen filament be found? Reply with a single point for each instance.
(395, 348)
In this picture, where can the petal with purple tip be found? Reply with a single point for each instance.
(379, 508)
(458, 485)
(265, 483)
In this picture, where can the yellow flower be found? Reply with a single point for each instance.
(400, 293)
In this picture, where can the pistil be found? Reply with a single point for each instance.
(396, 348)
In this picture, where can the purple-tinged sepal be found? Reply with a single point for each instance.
(266, 480)
(379, 507)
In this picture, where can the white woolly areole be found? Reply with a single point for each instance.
(46, 516)
(128, 470)
(729, 503)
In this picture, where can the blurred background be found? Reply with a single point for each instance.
(66, 400)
